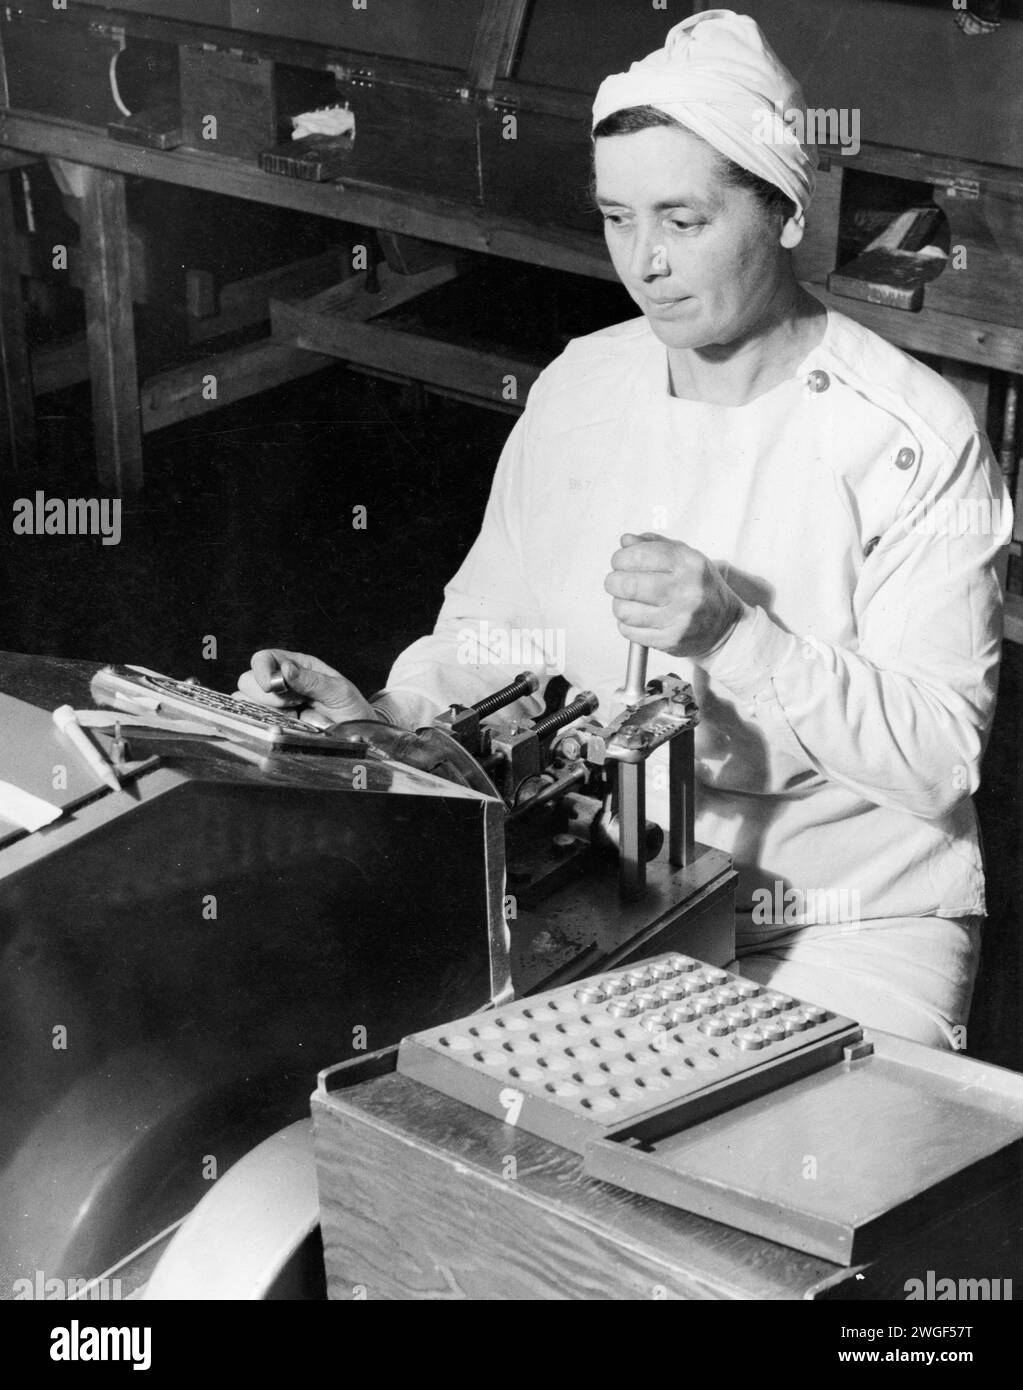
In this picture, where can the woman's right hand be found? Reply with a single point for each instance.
(311, 683)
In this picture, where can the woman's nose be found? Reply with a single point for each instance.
(651, 259)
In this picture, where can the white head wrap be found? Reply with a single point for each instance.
(718, 76)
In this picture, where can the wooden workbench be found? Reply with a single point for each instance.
(424, 1197)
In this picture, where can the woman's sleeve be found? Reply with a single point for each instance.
(489, 609)
(901, 719)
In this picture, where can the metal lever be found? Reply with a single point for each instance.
(635, 675)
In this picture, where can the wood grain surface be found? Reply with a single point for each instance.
(423, 1197)
(415, 1205)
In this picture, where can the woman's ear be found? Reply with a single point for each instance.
(792, 233)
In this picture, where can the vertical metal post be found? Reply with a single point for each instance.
(681, 808)
(632, 830)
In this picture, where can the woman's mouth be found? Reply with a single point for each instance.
(662, 308)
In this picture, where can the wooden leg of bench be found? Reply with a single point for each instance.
(17, 400)
(106, 276)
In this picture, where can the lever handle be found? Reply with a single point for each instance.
(634, 689)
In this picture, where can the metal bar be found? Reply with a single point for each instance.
(681, 801)
(106, 275)
(635, 674)
(632, 831)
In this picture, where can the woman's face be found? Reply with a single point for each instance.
(702, 259)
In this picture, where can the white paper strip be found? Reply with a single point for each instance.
(22, 808)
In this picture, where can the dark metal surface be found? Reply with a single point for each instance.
(173, 976)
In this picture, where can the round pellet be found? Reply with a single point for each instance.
(683, 964)
(682, 1013)
(780, 1001)
(623, 1008)
(738, 1015)
(656, 1023)
(762, 1008)
(716, 1027)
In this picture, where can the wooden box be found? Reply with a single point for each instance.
(228, 101)
(423, 1197)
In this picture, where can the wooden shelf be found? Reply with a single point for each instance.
(392, 210)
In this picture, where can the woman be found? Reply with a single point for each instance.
(787, 489)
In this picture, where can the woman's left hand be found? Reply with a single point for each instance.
(669, 596)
